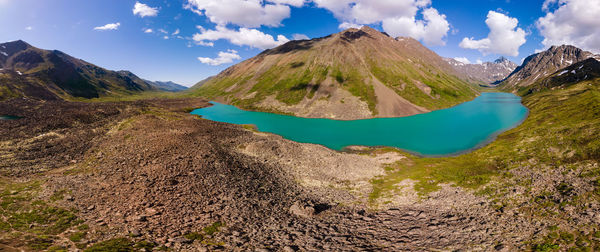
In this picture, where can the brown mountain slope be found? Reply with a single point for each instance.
(353, 74)
(586, 70)
(540, 65)
(26, 71)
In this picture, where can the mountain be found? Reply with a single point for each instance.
(354, 74)
(487, 72)
(50, 74)
(543, 64)
(168, 86)
(588, 69)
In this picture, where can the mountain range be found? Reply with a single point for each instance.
(354, 74)
(486, 72)
(27, 71)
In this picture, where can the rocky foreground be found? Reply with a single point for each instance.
(148, 175)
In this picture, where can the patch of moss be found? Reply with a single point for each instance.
(117, 244)
(77, 236)
(212, 229)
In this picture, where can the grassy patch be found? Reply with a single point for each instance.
(117, 244)
(567, 121)
(29, 220)
(77, 236)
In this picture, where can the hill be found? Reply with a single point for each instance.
(354, 74)
(27, 71)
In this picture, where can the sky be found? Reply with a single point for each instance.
(186, 41)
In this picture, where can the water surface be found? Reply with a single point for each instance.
(439, 133)
(8, 117)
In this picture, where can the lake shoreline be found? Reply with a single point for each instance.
(442, 133)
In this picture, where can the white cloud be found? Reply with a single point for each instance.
(148, 30)
(28, 28)
(223, 58)
(113, 26)
(397, 17)
(298, 36)
(245, 13)
(348, 25)
(176, 32)
(431, 30)
(573, 22)
(144, 10)
(504, 38)
(295, 3)
(242, 37)
(479, 61)
(547, 3)
(166, 37)
(462, 60)
(163, 31)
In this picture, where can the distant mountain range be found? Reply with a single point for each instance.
(487, 72)
(27, 71)
(357, 73)
(168, 86)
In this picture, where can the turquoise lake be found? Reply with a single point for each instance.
(439, 133)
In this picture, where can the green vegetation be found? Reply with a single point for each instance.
(354, 82)
(563, 128)
(405, 78)
(562, 131)
(27, 219)
(77, 236)
(212, 229)
(205, 235)
(117, 244)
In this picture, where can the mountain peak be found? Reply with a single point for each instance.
(501, 60)
(543, 64)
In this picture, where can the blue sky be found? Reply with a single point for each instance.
(215, 34)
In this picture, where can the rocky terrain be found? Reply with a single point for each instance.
(543, 64)
(147, 175)
(354, 74)
(486, 72)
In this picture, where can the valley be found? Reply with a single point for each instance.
(99, 160)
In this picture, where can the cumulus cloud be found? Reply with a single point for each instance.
(397, 17)
(175, 32)
(144, 10)
(241, 37)
(431, 30)
(29, 28)
(223, 58)
(106, 27)
(148, 30)
(462, 60)
(504, 38)
(298, 36)
(573, 22)
(245, 13)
